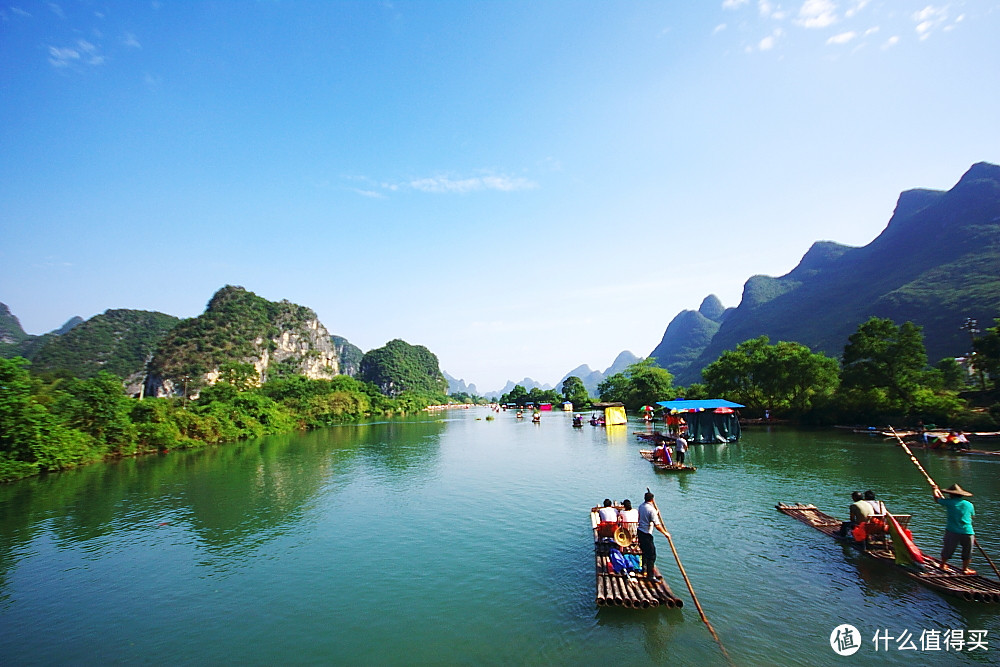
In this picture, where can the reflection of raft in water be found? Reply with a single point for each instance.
(666, 467)
(972, 587)
(618, 589)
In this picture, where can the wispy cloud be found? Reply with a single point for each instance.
(891, 42)
(854, 9)
(929, 18)
(768, 10)
(16, 11)
(442, 184)
(817, 14)
(131, 41)
(842, 38)
(83, 53)
(733, 4)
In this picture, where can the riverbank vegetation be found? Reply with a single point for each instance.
(883, 376)
(53, 423)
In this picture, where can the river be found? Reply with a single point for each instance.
(453, 539)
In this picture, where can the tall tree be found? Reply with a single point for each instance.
(786, 376)
(882, 355)
(639, 384)
(574, 391)
(987, 350)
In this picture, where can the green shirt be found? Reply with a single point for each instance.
(960, 513)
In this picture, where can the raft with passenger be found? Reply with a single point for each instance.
(661, 465)
(617, 566)
(899, 550)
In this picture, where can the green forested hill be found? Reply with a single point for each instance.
(399, 367)
(239, 327)
(350, 355)
(935, 264)
(117, 341)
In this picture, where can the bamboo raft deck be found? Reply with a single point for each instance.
(620, 590)
(971, 587)
(666, 467)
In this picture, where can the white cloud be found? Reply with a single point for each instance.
(131, 41)
(842, 38)
(766, 44)
(768, 10)
(82, 53)
(871, 31)
(733, 4)
(855, 8)
(719, 28)
(929, 18)
(446, 184)
(62, 57)
(817, 14)
(891, 42)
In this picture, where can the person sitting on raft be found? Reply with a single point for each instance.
(661, 453)
(878, 507)
(608, 517)
(860, 510)
(629, 516)
(958, 529)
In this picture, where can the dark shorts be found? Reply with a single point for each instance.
(648, 550)
(952, 540)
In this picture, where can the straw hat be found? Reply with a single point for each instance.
(956, 490)
(622, 538)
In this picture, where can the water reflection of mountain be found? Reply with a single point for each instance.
(233, 498)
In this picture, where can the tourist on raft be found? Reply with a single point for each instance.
(860, 510)
(629, 516)
(648, 519)
(680, 449)
(958, 529)
(608, 513)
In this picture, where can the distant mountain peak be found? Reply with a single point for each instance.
(712, 308)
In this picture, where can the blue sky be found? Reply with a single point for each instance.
(522, 187)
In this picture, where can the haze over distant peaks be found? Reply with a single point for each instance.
(592, 378)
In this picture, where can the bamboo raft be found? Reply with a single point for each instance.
(666, 467)
(620, 590)
(971, 587)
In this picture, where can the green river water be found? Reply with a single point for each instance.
(451, 539)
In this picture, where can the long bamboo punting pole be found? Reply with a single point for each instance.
(934, 485)
(689, 586)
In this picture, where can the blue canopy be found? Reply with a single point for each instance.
(707, 404)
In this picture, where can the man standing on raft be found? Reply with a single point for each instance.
(958, 529)
(648, 518)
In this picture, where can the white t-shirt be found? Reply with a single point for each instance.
(630, 516)
(608, 514)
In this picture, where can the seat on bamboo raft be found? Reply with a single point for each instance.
(877, 530)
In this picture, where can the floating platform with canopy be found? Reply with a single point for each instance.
(709, 421)
(614, 413)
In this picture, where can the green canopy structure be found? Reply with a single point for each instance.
(709, 421)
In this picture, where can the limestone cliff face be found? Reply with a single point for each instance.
(276, 339)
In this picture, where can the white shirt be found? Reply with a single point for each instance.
(630, 516)
(648, 517)
(608, 514)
